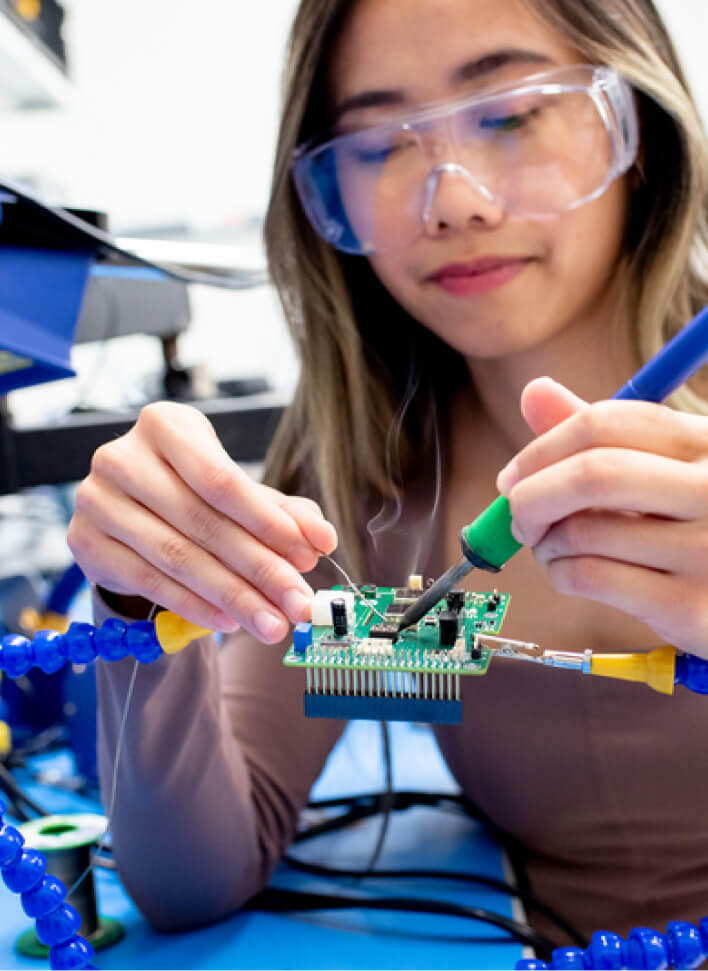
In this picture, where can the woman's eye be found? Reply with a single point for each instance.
(379, 154)
(374, 156)
(506, 123)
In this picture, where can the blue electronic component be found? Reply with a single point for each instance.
(381, 708)
(23, 872)
(683, 946)
(302, 637)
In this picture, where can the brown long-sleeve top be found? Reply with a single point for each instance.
(604, 782)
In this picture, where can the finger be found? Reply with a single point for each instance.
(158, 488)
(171, 554)
(640, 425)
(201, 461)
(675, 610)
(316, 529)
(545, 403)
(642, 540)
(161, 589)
(606, 479)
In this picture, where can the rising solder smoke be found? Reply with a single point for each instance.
(416, 540)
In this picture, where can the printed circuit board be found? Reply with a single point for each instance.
(357, 666)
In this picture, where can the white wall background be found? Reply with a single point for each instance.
(175, 110)
(173, 122)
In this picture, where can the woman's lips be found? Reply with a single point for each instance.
(478, 276)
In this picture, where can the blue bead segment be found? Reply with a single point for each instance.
(605, 951)
(51, 650)
(26, 872)
(110, 640)
(60, 926)
(45, 898)
(692, 673)
(16, 655)
(302, 637)
(685, 944)
(647, 948)
(531, 964)
(142, 641)
(80, 637)
(569, 957)
(76, 953)
(11, 843)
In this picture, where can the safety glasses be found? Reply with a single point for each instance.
(535, 148)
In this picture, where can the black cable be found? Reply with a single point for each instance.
(278, 900)
(44, 741)
(386, 802)
(365, 805)
(416, 874)
(8, 785)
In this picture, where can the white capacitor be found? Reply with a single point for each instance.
(322, 612)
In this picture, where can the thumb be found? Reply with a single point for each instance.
(545, 403)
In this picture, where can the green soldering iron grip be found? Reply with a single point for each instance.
(487, 541)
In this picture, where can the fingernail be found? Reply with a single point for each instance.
(269, 625)
(507, 478)
(296, 604)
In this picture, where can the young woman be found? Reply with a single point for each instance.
(488, 191)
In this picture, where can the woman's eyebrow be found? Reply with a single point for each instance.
(480, 67)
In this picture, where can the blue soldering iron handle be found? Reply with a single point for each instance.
(487, 541)
(674, 363)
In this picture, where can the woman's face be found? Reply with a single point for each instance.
(488, 283)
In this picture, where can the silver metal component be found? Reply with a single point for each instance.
(506, 647)
(564, 659)
(309, 681)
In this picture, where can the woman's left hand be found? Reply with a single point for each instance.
(613, 499)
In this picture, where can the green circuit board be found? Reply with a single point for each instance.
(365, 670)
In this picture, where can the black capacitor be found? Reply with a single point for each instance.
(339, 617)
(455, 600)
(448, 628)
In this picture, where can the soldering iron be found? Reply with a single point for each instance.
(487, 542)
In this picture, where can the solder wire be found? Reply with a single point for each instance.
(353, 585)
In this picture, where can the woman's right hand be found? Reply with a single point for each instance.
(165, 514)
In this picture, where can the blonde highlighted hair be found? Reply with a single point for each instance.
(361, 353)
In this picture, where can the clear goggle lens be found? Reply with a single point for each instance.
(546, 145)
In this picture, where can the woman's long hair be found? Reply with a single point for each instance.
(359, 350)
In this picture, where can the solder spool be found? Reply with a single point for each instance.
(67, 842)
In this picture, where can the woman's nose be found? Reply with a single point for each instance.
(454, 200)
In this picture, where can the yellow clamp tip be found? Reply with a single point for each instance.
(654, 668)
(174, 633)
(5, 739)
